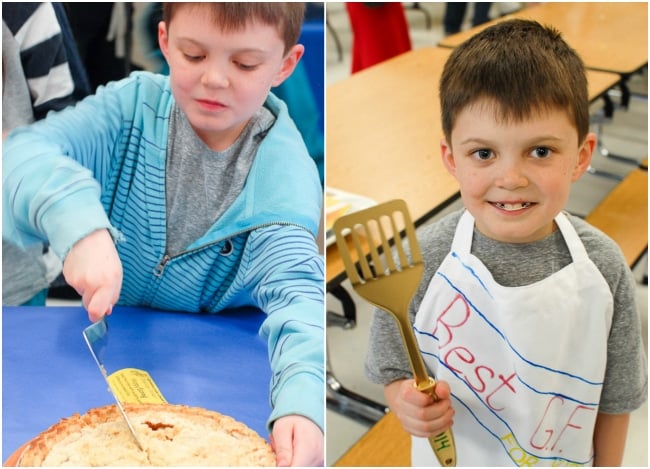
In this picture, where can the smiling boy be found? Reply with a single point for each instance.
(526, 315)
(192, 192)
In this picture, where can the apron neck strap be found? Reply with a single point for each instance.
(462, 243)
(571, 238)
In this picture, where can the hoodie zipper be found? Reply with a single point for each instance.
(160, 267)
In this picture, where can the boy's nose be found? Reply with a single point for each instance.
(512, 176)
(214, 78)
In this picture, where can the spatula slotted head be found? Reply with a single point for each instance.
(364, 235)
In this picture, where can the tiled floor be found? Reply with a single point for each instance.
(627, 135)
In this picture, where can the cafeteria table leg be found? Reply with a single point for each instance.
(337, 41)
(339, 398)
(597, 121)
(608, 109)
(624, 96)
(351, 404)
(627, 94)
(607, 154)
(417, 7)
(349, 318)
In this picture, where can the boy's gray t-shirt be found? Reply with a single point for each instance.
(201, 183)
(625, 387)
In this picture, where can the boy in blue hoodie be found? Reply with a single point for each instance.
(192, 192)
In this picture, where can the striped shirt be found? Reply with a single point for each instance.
(48, 55)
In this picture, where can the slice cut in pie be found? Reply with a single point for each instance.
(171, 435)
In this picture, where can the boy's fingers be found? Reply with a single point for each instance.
(442, 390)
(412, 395)
(282, 445)
(100, 303)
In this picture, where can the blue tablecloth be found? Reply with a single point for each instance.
(214, 361)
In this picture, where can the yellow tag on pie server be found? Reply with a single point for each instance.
(133, 386)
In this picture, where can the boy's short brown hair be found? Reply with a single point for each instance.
(232, 16)
(523, 67)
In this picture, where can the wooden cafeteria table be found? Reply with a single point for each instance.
(383, 134)
(609, 36)
(386, 444)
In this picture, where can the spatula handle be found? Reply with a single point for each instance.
(443, 444)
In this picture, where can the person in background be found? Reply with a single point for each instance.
(380, 31)
(192, 192)
(455, 15)
(303, 91)
(103, 32)
(526, 315)
(42, 72)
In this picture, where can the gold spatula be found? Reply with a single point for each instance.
(389, 283)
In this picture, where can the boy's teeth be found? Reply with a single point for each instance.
(512, 207)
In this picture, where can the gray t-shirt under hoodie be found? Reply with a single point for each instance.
(202, 183)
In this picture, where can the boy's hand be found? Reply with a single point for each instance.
(417, 411)
(93, 268)
(297, 441)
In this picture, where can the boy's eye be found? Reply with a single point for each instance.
(193, 58)
(483, 154)
(245, 66)
(541, 152)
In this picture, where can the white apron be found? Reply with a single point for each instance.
(525, 364)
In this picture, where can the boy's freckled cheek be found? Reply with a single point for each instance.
(472, 176)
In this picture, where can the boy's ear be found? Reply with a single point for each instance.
(585, 153)
(163, 39)
(447, 157)
(289, 64)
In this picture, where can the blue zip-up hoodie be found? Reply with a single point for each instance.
(101, 164)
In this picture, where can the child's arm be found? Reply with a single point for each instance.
(287, 273)
(418, 413)
(93, 268)
(609, 438)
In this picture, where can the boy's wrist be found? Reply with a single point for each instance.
(301, 394)
(67, 222)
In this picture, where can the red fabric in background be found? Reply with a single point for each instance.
(379, 31)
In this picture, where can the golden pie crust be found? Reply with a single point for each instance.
(171, 435)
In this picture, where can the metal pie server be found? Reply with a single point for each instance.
(96, 337)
